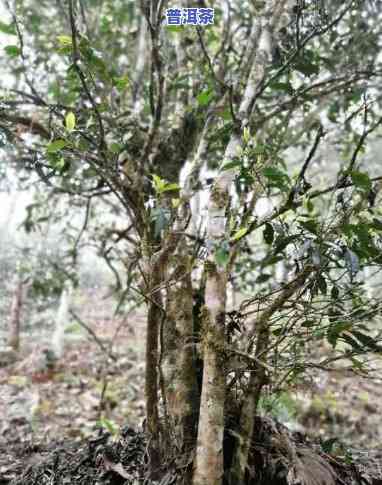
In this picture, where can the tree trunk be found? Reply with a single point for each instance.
(178, 360)
(151, 381)
(155, 270)
(62, 319)
(15, 316)
(209, 453)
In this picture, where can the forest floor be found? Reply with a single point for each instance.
(62, 415)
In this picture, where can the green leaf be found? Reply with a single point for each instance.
(281, 86)
(158, 183)
(59, 164)
(161, 185)
(64, 40)
(246, 134)
(277, 178)
(361, 180)
(310, 225)
(222, 256)
(56, 146)
(263, 278)
(175, 203)
(306, 66)
(366, 340)
(282, 242)
(328, 445)
(357, 363)
(225, 114)
(12, 50)
(307, 204)
(8, 28)
(70, 121)
(205, 97)
(174, 28)
(377, 224)
(64, 45)
(240, 234)
(232, 164)
(268, 233)
(335, 330)
(121, 83)
(109, 425)
(170, 187)
(271, 260)
(259, 149)
(309, 323)
(115, 147)
(352, 342)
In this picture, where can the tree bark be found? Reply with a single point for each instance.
(155, 270)
(178, 359)
(151, 380)
(209, 452)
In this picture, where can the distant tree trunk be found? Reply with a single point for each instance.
(15, 314)
(62, 318)
(140, 63)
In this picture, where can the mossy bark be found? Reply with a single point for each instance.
(208, 468)
(151, 382)
(178, 360)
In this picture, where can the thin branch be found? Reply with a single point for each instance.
(156, 67)
(292, 57)
(256, 224)
(76, 57)
(22, 55)
(361, 142)
(93, 335)
(84, 226)
(319, 135)
(288, 290)
(301, 187)
(218, 81)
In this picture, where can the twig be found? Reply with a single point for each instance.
(84, 226)
(319, 135)
(315, 33)
(81, 75)
(361, 142)
(93, 335)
